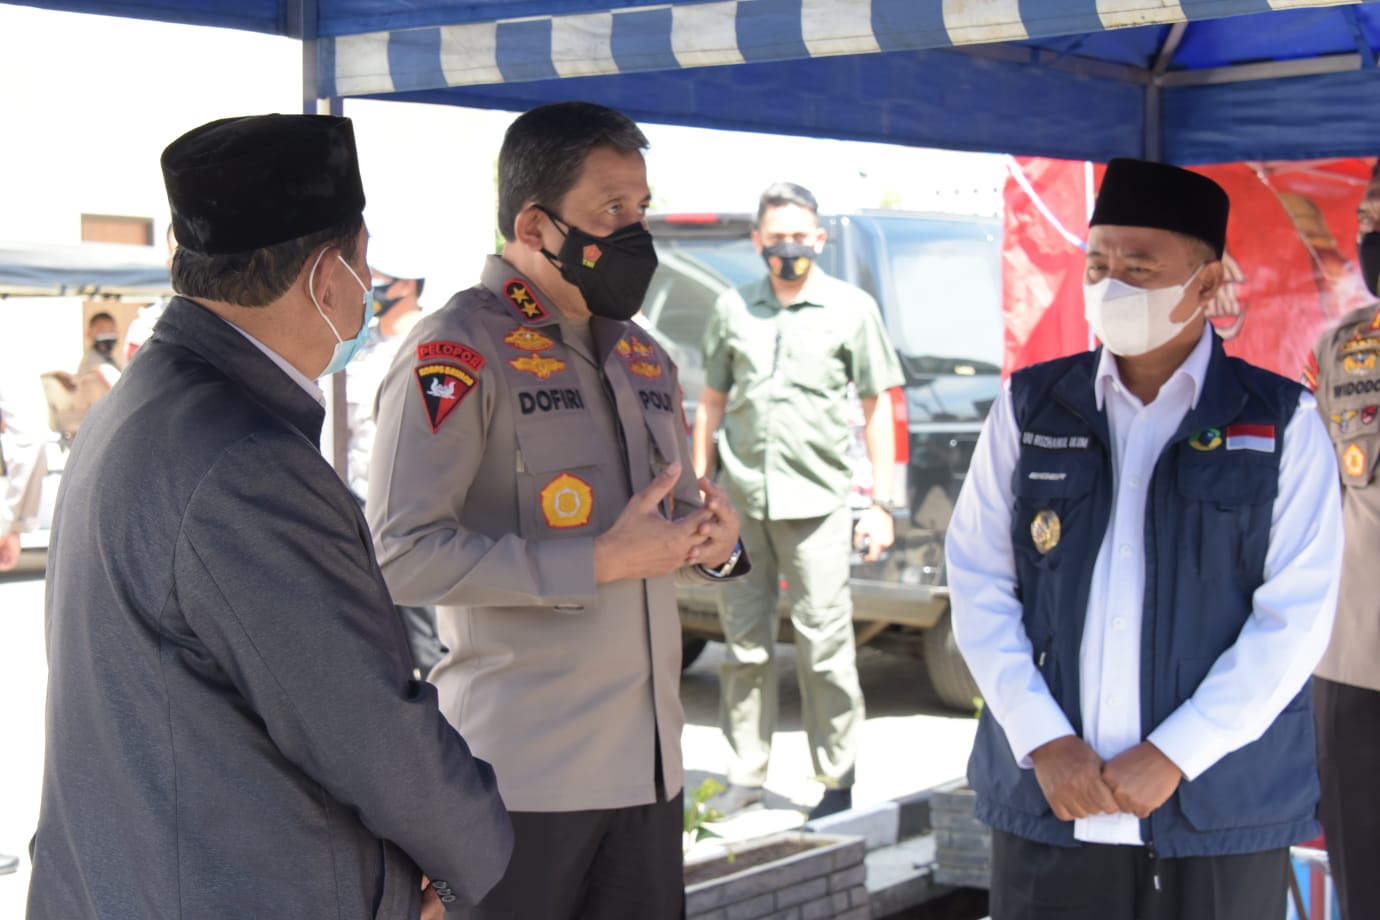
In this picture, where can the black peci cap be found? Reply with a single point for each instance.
(1138, 193)
(240, 184)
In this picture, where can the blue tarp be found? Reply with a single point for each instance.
(1191, 81)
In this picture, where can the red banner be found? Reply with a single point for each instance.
(1290, 260)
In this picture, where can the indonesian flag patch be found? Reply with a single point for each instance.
(1251, 437)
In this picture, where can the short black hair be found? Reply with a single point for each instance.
(544, 150)
(260, 276)
(784, 193)
(97, 317)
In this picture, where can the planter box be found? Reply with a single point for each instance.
(963, 845)
(785, 876)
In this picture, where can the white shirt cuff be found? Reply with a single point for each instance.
(1187, 739)
(1035, 722)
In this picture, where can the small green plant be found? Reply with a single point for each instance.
(699, 813)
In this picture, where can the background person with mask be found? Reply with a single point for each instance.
(1344, 370)
(778, 355)
(398, 282)
(531, 478)
(232, 725)
(1143, 563)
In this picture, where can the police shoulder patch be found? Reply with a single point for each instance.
(446, 372)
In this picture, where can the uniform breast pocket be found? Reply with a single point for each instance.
(1053, 507)
(561, 474)
(1228, 507)
(1356, 458)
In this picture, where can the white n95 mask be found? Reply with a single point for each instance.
(1131, 320)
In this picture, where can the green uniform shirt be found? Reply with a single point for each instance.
(786, 369)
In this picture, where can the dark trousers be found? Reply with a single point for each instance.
(610, 864)
(1035, 881)
(1349, 767)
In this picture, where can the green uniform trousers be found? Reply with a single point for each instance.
(811, 557)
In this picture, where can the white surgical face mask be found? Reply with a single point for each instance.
(1130, 320)
(345, 349)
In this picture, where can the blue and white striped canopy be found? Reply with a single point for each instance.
(1189, 81)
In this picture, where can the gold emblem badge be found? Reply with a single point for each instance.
(1045, 531)
(567, 501)
(525, 339)
(645, 369)
(1360, 364)
(537, 366)
(1354, 461)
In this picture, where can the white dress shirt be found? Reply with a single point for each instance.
(1249, 684)
(302, 380)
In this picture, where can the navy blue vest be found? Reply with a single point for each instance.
(1207, 528)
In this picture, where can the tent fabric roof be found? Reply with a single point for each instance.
(1188, 81)
(83, 269)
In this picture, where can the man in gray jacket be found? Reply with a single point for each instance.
(232, 727)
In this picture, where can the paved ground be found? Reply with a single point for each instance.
(909, 743)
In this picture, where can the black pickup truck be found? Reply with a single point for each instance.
(937, 279)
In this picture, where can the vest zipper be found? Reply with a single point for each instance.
(1154, 864)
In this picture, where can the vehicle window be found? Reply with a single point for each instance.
(947, 280)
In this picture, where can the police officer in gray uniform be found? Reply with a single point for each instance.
(531, 478)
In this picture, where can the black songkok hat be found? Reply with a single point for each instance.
(241, 184)
(1138, 193)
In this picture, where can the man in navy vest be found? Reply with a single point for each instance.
(1144, 565)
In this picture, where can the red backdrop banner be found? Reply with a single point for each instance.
(1290, 260)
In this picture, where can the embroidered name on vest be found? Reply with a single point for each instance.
(1055, 442)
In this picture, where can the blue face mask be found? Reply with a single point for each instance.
(345, 349)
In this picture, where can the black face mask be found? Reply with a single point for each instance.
(383, 304)
(612, 272)
(789, 261)
(1369, 251)
(105, 344)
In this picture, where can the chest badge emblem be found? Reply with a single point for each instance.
(524, 339)
(538, 366)
(1207, 439)
(1360, 364)
(567, 501)
(1045, 530)
(1368, 414)
(1354, 461)
(1344, 419)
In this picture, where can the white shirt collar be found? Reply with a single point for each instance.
(1194, 368)
(299, 378)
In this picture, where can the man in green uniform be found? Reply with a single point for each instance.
(779, 355)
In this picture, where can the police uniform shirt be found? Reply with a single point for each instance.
(1344, 372)
(786, 368)
(508, 439)
(1248, 685)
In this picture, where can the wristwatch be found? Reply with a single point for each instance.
(727, 568)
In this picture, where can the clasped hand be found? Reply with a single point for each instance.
(1078, 783)
(644, 543)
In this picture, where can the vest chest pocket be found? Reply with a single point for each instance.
(561, 478)
(1225, 520)
(1053, 513)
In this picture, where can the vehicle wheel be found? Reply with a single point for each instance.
(690, 649)
(948, 673)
